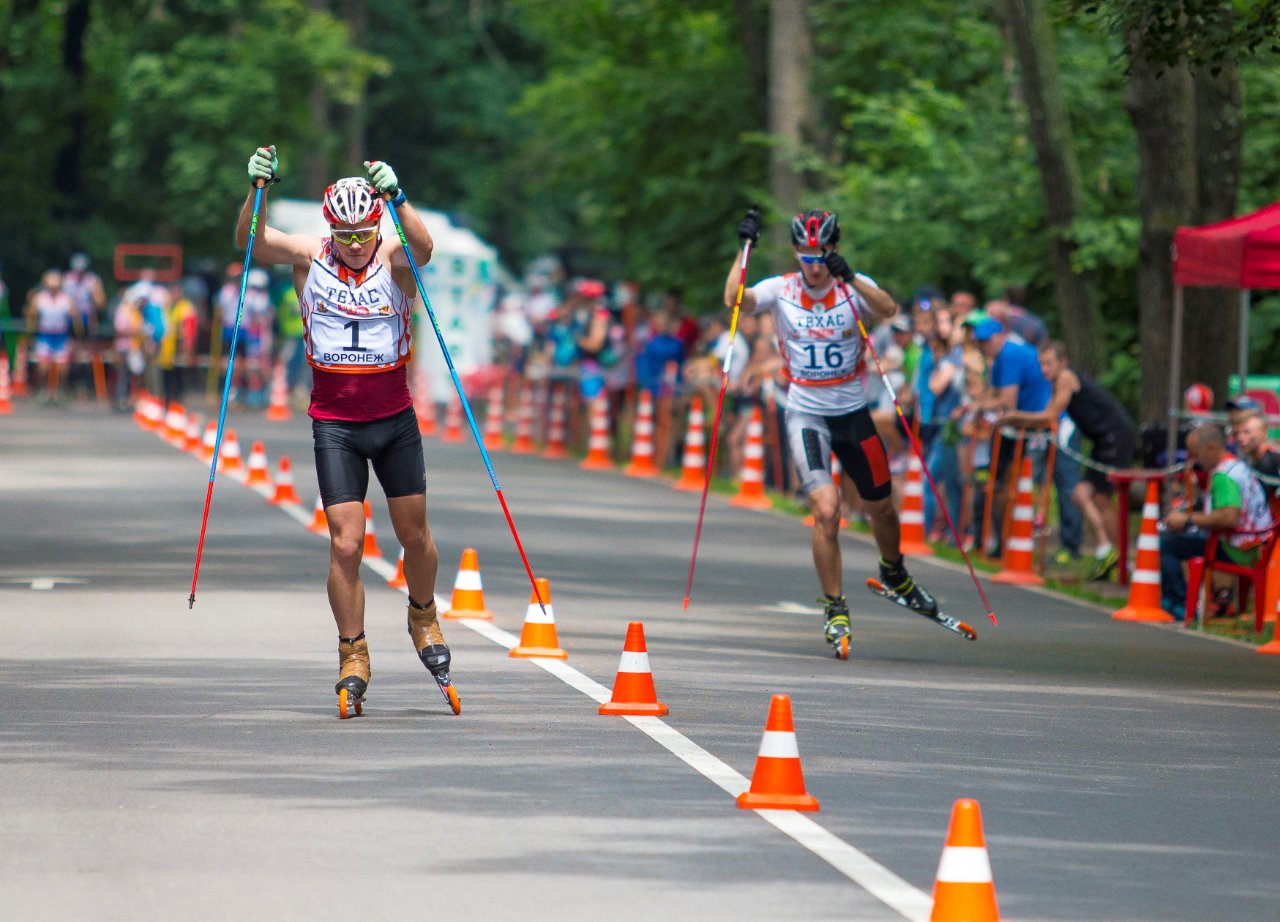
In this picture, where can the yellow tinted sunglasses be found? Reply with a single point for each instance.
(361, 235)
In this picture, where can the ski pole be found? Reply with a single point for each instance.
(915, 447)
(226, 387)
(466, 405)
(715, 428)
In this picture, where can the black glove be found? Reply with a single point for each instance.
(750, 226)
(837, 266)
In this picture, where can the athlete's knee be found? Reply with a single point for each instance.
(881, 509)
(346, 549)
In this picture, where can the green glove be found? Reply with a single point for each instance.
(382, 177)
(263, 165)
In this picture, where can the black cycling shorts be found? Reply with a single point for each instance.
(344, 451)
(1116, 450)
(852, 438)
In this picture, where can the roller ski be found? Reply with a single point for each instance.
(428, 640)
(837, 629)
(353, 675)
(909, 594)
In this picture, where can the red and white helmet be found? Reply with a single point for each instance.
(1198, 399)
(352, 201)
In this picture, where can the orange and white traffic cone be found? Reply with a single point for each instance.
(319, 520)
(751, 489)
(191, 442)
(633, 691)
(468, 590)
(208, 441)
(1020, 545)
(139, 410)
(778, 781)
(153, 416)
(6, 389)
(693, 464)
(371, 548)
(523, 445)
(173, 427)
(398, 581)
(911, 518)
(964, 890)
(259, 475)
(642, 450)
(598, 445)
(556, 448)
(285, 492)
(278, 400)
(493, 438)
(1144, 584)
(230, 461)
(538, 639)
(20, 388)
(453, 422)
(836, 473)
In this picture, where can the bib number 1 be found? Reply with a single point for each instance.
(354, 327)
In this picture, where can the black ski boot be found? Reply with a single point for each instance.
(837, 628)
(894, 576)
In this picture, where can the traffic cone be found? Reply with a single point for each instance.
(493, 439)
(285, 493)
(1019, 546)
(1144, 584)
(208, 441)
(6, 390)
(259, 474)
(230, 460)
(319, 521)
(453, 422)
(523, 445)
(398, 581)
(173, 425)
(371, 548)
(911, 518)
(191, 442)
(278, 401)
(836, 472)
(751, 489)
(556, 449)
(20, 369)
(965, 890)
(139, 410)
(633, 691)
(539, 635)
(642, 451)
(153, 416)
(598, 457)
(693, 464)
(468, 590)
(778, 781)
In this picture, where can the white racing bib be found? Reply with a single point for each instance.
(355, 322)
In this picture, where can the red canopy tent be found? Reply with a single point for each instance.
(1241, 253)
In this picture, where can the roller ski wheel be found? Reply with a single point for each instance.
(951, 624)
(842, 647)
(450, 694)
(349, 704)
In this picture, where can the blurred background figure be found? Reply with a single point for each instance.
(52, 314)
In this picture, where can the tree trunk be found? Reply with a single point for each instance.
(1160, 102)
(753, 43)
(354, 14)
(67, 171)
(315, 174)
(1050, 129)
(790, 56)
(1212, 313)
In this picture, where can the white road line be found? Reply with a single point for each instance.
(875, 878)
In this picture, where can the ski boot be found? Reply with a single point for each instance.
(353, 675)
(428, 640)
(837, 629)
(895, 578)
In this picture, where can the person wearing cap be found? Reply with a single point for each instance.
(1101, 420)
(1240, 408)
(1017, 385)
(816, 326)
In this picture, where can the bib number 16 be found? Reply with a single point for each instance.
(832, 356)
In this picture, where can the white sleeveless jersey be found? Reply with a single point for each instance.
(819, 341)
(355, 323)
(53, 312)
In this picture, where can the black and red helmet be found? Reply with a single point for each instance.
(815, 229)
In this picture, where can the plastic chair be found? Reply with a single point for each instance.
(1247, 577)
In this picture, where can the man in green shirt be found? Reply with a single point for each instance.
(1235, 502)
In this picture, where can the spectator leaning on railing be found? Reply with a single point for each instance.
(1234, 502)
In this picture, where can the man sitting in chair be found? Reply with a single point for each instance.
(1234, 501)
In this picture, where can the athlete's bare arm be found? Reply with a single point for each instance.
(1064, 388)
(271, 246)
(420, 244)
(879, 300)
(731, 288)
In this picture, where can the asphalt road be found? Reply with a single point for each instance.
(164, 763)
